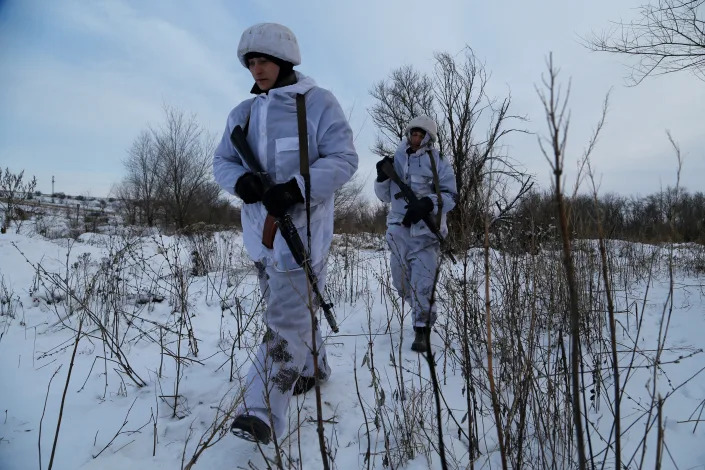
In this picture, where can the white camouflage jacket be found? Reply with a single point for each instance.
(273, 137)
(415, 170)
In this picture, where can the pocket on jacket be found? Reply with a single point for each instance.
(422, 185)
(286, 158)
(286, 144)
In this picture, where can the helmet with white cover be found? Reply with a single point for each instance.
(272, 39)
(423, 122)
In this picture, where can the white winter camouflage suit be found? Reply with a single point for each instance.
(273, 136)
(415, 250)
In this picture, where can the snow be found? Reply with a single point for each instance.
(109, 422)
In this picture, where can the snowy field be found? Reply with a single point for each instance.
(165, 337)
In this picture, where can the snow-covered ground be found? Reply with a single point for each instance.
(118, 412)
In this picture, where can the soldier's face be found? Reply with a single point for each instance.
(264, 71)
(415, 139)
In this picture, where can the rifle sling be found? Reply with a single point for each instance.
(303, 160)
(269, 230)
(437, 187)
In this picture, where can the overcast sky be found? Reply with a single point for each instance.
(79, 80)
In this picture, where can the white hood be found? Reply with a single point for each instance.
(425, 123)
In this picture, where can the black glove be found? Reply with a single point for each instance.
(249, 187)
(280, 197)
(417, 211)
(382, 176)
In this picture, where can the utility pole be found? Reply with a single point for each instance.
(52, 189)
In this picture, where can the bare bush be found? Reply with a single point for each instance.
(14, 191)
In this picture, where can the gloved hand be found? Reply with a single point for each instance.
(417, 211)
(382, 176)
(280, 197)
(249, 187)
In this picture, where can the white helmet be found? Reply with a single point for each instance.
(272, 39)
(425, 123)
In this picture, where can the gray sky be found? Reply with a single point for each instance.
(80, 79)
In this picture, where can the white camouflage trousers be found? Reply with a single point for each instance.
(285, 352)
(414, 261)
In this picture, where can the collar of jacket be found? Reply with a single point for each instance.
(287, 80)
(420, 151)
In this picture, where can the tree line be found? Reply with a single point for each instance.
(668, 215)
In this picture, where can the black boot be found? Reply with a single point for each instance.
(304, 384)
(420, 343)
(252, 429)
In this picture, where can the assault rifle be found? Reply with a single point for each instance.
(410, 198)
(286, 225)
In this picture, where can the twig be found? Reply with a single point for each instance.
(63, 397)
(39, 439)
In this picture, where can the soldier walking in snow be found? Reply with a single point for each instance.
(415, 249)
(273, 121)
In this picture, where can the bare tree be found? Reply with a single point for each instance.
(169, 174)
(127, 202)
(348, 198)
(406, 94)
(460, 90)
(669, 36)
(142, 181)
(184, 154)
